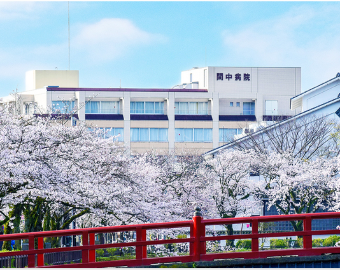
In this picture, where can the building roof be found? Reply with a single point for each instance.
(56, 88)
(296, 101)
(225, 146)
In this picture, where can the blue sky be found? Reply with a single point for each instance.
(148, 44)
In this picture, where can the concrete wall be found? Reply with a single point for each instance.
(63, 78)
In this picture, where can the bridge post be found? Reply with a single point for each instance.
(144, 253)
(255, 231)
(85, 252)
(31, 257)
(198, 232)
(141, 252)
(40, 259)
(92, 252)
(307, 227)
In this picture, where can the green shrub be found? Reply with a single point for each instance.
(317, 242)
(112, 251)
(278, 243)
(244, 244)
(100, 252)
(299, 242)
(331, 240)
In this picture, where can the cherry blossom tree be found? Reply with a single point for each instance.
(43, 159)
(229, 185)
(296, 186)
(305, 137)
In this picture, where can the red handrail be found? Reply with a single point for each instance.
(197, 241)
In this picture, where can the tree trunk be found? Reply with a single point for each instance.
(230, 231)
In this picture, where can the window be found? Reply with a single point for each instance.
(191, 108)
(191, 77)
(61, 106)
(149, 134)
(227, 134)
(102, 107)
(116, 133)
(193, 135)
(271, 107)
(248, 108)
(147, 107)
(29, 108)
(237, 104)
(231, 104)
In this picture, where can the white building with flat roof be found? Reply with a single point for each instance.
(209, 107)
(317, 103)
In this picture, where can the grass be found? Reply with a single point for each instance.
(116, 258)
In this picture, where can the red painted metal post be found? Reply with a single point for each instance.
(92, 252)
(85, 252)
(145, 254)
(203, 243)
(197, 233)
(40, 260)
(31, 257)
(307, 227)
(255, 231)
(192, 234)
(139, 249)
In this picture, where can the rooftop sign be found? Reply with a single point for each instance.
(236, 77)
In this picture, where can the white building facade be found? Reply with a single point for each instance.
(321, 101)
(209, 107)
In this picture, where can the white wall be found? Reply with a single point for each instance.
(272, 83)
(321, 95)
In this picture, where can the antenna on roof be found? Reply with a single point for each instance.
(338, 75)
(69, 46)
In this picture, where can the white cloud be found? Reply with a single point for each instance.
(305, 37)
(13, 10)
(111, 38)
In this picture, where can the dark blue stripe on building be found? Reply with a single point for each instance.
(58, 116)
(104, 117)
(148, 117)
(237, 118)
(193, 117)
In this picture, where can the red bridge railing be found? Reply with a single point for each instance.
(197, 241)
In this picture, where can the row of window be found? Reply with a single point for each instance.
(232, 104)
(149, 134)
(184, 108)
(104, 107)
(191, 108)
(146, 107)
(227, 134)
(193, 135)
(141, 107)
(116, 133)
(248, 107)
(63, 106)
(161, 134)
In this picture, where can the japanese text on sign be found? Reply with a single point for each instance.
(237, 77)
